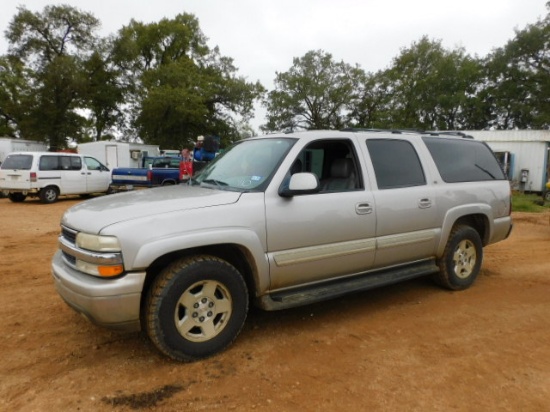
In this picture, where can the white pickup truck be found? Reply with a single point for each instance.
(279, 221)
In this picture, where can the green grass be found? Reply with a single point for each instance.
(522, 202)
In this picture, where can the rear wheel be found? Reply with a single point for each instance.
(49, 194)
(461, 260)
(196, 308)
(17, 197)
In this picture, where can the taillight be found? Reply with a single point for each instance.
(149, 175)
(33, 177)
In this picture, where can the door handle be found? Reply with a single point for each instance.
(363, 208)
(424, 203)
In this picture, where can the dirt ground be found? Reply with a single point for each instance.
(407, 347)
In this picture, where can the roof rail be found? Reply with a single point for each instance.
(396, 131)
(418, 131)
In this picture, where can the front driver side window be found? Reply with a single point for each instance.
(334, 162)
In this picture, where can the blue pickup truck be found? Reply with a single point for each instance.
(155, 171)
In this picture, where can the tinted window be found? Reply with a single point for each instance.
(18, 162)
(60, 163)
(70, 163)
(395, 163)
(463, 160)
(49, 163)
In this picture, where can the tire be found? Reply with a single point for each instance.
(195, 308)
(17, 197)
(49, 194)
(461, 261)
(547, 196)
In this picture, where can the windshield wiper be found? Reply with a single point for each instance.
(485, 170)
(219, 183)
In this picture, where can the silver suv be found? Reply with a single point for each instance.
(282, 220)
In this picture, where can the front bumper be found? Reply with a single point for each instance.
(113, 303)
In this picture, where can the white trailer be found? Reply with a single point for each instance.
(8, 145)
(118, 154)
(524, 153)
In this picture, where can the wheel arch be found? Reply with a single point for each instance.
(236, 255)
(477, 218)
(55, 187)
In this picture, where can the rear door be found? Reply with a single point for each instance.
(406, 212)
(69, 171)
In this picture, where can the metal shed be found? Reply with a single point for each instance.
(524, 154)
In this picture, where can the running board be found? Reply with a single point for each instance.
(336, 288)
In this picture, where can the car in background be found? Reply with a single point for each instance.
(48, 175)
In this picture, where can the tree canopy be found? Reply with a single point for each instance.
(161, 83)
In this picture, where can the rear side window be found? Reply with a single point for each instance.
(396, 164)
(463, 160)
(17, 162)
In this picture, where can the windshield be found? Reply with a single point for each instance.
(247, 165)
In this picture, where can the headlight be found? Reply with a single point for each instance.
(97, 243)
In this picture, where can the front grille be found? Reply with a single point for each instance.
(70, 259)
(69, 234)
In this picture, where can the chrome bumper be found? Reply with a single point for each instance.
(113, 303)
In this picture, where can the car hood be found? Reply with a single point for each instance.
(93, 215)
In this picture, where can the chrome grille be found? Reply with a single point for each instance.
(69, 234)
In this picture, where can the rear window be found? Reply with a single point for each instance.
(464, 160)
(17, 162)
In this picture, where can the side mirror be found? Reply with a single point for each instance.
(300, 184)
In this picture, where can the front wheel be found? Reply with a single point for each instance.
(461, 260)
(196, 308)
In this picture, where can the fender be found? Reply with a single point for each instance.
(455, 214)
(245, 238)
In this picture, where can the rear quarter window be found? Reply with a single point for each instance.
(17, 162)
(463, 160)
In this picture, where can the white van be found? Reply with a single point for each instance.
(49, 175)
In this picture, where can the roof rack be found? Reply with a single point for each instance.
(396, 131)
(418, 131)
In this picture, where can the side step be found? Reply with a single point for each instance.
(336, 288)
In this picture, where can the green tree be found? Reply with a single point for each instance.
(16, 96)
(177, 88)
(103, 94)
(432, 88)
(518, 79)
(313, 94)
(52, 45)
(370, 109)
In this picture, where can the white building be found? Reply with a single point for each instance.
(8, 145)
(525, 155)
(118, 154)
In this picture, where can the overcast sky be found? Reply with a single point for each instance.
(263, 36)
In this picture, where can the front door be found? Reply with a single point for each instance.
(311, 238)
(98, 176)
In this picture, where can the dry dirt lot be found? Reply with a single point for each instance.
(408, 347)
